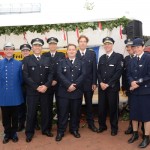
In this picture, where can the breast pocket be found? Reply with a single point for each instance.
(65, 69)
(77, 69)
(32, 68)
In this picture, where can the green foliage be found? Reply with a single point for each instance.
(17, 30)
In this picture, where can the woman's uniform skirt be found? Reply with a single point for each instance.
(140, 107)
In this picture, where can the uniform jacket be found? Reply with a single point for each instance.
(54, 62)
(37, 73)
(125, 83)
(109, 71)
(10, 82)
(70, 73)
(89, 59)
(140, 71)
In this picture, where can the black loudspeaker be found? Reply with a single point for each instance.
(134, 29)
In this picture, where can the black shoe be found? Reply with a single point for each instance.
(21, 127)
(129, 130)
(48, 133)
(37, 127)
(76, 134)
(102, 129)
(145, 142)
(134, 137)
(59, 136)
(15, 138)
(6, 139)
(113, 133)
(29, 139)
(93, 128)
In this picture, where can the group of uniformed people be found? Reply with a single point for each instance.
(70, 78)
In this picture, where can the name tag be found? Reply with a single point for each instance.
(111, 65)
(140, 65)
(46, 67)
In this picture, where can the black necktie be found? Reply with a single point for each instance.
(38, 58)
(71, 61)
(52, 55)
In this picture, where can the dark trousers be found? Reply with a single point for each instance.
(68, 108)
(108, 99)
(22, 114)
(51, 97)
(32, 104)
(10, 119)
(88, 95)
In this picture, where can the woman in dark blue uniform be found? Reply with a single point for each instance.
(139, 79)
(71, 74)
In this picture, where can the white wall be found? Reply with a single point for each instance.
(95, 38)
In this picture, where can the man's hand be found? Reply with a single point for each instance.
(104, 86)
(94, 87)
(54, 82)
(134, 85)
(42, 89)
(72, 87)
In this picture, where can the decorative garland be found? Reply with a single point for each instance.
(17, 30)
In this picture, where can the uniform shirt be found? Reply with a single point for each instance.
(82, 52)
(10, 82)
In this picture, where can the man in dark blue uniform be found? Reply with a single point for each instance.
(90, 84)
(125, 84)
(25, 51)
(138, 75)
(55, 58)
(71, 74)
(38, 77)
(109, 71)
(10, 92)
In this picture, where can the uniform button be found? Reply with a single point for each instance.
(135, 77)
(135, 70)
(104, 79)
(105, 72)
(71, 70)
(145, 85)
(72, 74)
(6, 66)
(6, 88)
(71, 80)
(5, 70)
(40, 66)
(6, 80)
(41, 82)
(6, 77)
(41, 74)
